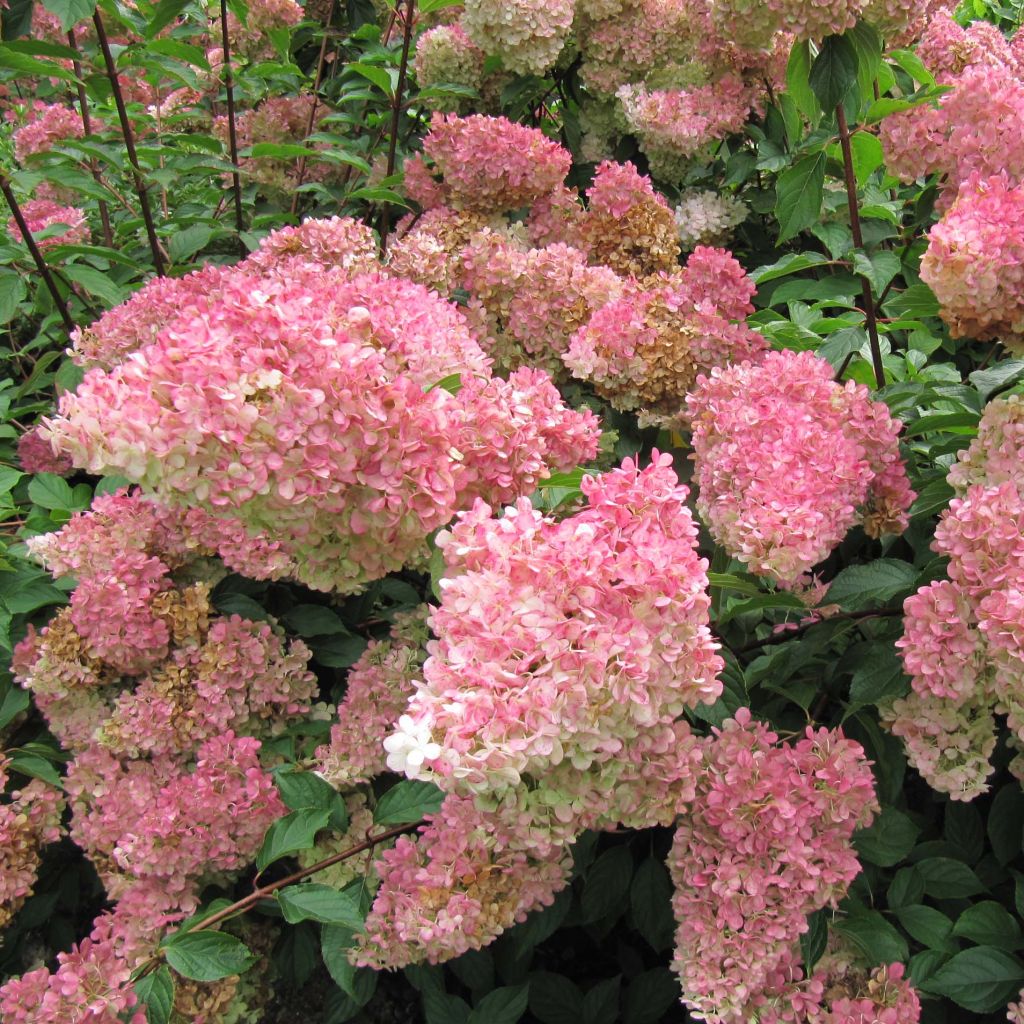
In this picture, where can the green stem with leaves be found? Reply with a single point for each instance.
(396, 108)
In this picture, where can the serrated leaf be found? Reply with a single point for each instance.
(70, 12)
(889, 839)
(982, 979)
(814, 941)
(861, 586)
(650, 995)
(290, 834)
(156, 993)
(310, 901)
(305, 790)
(797, 81)
(834, 71)
(878, 940)
(989, 924)
(879, 677)
(335, 941)
(12, 294)
(408, 802)
(188, 241)
(49, 491)
(338, 651)
(650, 896)
(945, 878)
(554, 999)
(207, 955)
(928, 926)
(1002, 375)
(791, 263)
(798, 195)
(502, 1006)
(313, 620)
(607, 883)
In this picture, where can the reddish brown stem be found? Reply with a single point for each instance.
(858, 241)
(247, 902)
(83, 105)
(37, 256)
(229, 88)
(396, 110)
(316, 100)
(129, 144)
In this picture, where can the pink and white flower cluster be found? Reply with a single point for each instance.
(41, 214)
(787, 461)
(767, 841)
(963, 642)
(161, 705)
(298, 402)
(975, 262)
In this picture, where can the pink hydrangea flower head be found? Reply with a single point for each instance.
(304, 407)
(330, 242)
(788, 460)
(975, 262)
(446, 55)
(37, 456)
(41, 214)
(47, 126)
(528, 34)
(492, 164)
(521, 678)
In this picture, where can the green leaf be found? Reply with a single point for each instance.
(791, 263)
(335, 942)
(879, 676)
(306, 791)
(889, 839)
(861, 586)
(240, 604)
(650, 900)
(947, 879)
(814, 941)
(541, 924)
(867, 45)
(95, 282)
(207, 955)
(338, 651)
(941, 421)
(650, 996)
(799, 193)
(189, 241)
(866, 152)
(726, 581)
(294, 832)
(963, 829)
(15, 701)
(982, 979)
(35, 767)
(1002, 375)
(452, 384)
(878, 940)
(313, 620)
(312, 902)
(913, 303)
(989, 924)
(164, 13)
(601, 1003)
(928, 926)
(502, 1006)
(607, 884)
(1005, 821)
(156, 993)
(49, 491)
(70, 12)
(913, 65)
(407, 802)
(554, 999)
(834, 71)
(933, 497)
(280, 151)
(798, 84)
(380, 77)
(12, 294)
(23, 64)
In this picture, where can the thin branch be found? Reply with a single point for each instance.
(247, 902)
(37, 256)
(790, 634)
(129, 144)
(83, 104)
(396, 110)
(858, 241)
(321, 60)
(229, 88)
